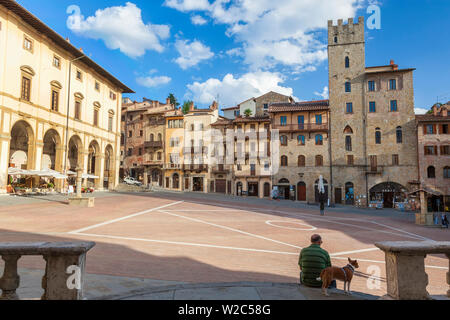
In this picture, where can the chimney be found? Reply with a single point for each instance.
(192, 107)
(435, 110)
(81, 49)
(168, 101)
(444, 111)
(68, 40)
(214, 106)
(394, 66)
(157, 104)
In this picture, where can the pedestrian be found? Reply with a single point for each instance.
(322, 203)
(444, 220)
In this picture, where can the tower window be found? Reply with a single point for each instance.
(348, 143)
(394, 107)
(347, 62)
(378, 136)
(399, 134)
(349, 108)
(335, 39)
(348, 86)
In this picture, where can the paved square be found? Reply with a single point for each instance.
(203, 239)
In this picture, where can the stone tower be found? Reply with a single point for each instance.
(346, 57)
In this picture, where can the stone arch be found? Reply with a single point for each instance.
(94, 160)
(52, 151)
(22, 146)
(348, 130)
(176, 181)
(75, 153)
(109, 168)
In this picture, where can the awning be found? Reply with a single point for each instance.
(432, 192)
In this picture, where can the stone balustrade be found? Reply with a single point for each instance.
(64, 271)
(405, 267)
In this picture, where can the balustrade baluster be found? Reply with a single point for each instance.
(10, 280)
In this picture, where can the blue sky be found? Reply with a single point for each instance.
(233, 50)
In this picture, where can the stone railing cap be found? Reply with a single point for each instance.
(415, 247)
(45, 248)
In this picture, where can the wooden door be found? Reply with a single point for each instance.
(301, 192)
(221, 186)
(338, 195)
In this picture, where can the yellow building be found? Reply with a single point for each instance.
(42, 123)
(174, 143)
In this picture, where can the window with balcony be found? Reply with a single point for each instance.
(318, 119)
(283, 121)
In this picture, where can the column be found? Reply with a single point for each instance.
(145, 177)
(4, 163)
(101, 173)
(85, 165)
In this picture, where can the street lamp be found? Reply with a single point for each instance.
(68, 109)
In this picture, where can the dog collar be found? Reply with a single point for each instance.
(351, 267)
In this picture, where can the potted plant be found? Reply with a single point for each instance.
(248, 113)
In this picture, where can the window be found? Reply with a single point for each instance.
(57, 62)
(319, 161)
(159, 156)
(301, 120)
(26, 88)
(97, 86)
(301, 161)
(395, 161)
(445, 150)
(371, 86)
(335, 39)
(347, 62)
(430, 129)
(130, 152)
(378, 136)
(141, 133)
(55, 100)
(444, 129)
(284, 161)
(349, 108)
(394, 106)
(318, 119)
(431, 172)
(112, 95)
(96, 117)
(140, 151)
(372, 107)
(447, 173)
(283, 121)
(110, 123)
(348, 143)
(348, 87)
(77, 110)
(79, 75)
(266, 106)
(319, 140)
(284, 140)
(122, 139)
(301, 140)
(28, 44)
(431, 150)
(348, 130)
(399, 134)
(392, 84)
(350, 160)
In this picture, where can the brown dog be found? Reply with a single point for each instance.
(343, 274)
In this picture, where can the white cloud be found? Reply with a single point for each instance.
(420, 110)
(198, 20)
(188, 5)
(325, 93)
(238, 52)
(151, 82)
(191, 53)
(233, 90)
(120, 28)
(282, 32)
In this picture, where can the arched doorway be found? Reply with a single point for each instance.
(301, 191)
(284, 188)
(176, 181)
(155, 178)
(52, 155)
(75, 153)
(21, 150)
(239, 189)
(316, 190)
(388, 193)
(108, 175)
(349, 193)
(94, 162)
(267, 190)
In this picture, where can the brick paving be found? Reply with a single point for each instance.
(212, 238)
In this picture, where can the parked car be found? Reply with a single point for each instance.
(132, 181)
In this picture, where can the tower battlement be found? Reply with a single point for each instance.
(350, 32)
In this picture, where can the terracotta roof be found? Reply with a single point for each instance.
(252, 119)
(40, 27)
(388, 71)
(300, 106)
(431, 117)
(222, 122)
